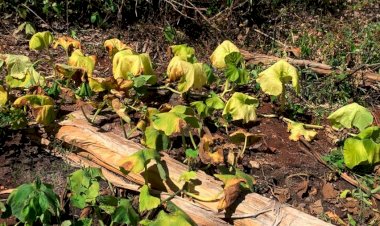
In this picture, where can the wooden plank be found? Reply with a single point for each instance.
(111, 149)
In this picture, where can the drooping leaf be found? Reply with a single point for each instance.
(68, 44)
(184, 52)
(147, 201)
(177, 68)
(101, 84)
(231, 189)
(75, 74)
(193, 78)
(136, 162)
(297, 130)
(143, 80)
(41, 40)
(215, 102)
(273, 79)
(125, 63)
(351, 115)
(363, 149)
(43, 107)
(217, 57)
(87, 63)
(114, 45)
(241, 106)
(240, 135)
(156, 139)
(3, 96)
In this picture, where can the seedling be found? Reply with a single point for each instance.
(272, 80)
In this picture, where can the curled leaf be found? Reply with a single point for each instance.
(351, 115)
(136, 162)
(125, 63)
(3, 96)
(41, 40)
(183, 51)
(364, 149)
(273, 79)
(231, 192)
(114, 45)
(241, 135)
(68, 44)
(101, 84)
(241, 107)
(74, 74)
(217, 57)
(206, 155)
(297, 130)
(87, 63)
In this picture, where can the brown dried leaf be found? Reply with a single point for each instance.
(231, 193)
(205, 153)
(301, 188)
(328, 191)
(316, 207)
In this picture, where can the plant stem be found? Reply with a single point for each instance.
(282, 98)
(183, 140)
(84, 114)
(244, 147)
(226, 90)
(172, 196)
(192, 140)
(122, 126)
(169, 88)
(97, 112)
(131, 131)
(208, 199)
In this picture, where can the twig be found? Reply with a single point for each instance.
(247, 215)
(273, 39)
(31, 10)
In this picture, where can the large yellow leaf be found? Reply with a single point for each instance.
(217, 57)
(42, 107)
(87, 63)
(273, 79)
(124, 63)
(177, 68)
(3, 96)
(114, 45)
(101, 84)
(241, 106)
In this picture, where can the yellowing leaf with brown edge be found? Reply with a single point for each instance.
(272, 80)
(124, 64)
(3, 96)
(177, 68)
(114, 45)
(87, 63)
(75, 74)
(135, 163)
(217, 57)
(42, 107)
(68, 44)
(120, 110)
(297, 130)
(41, 40)
(206, 155)
(231, 192)
(124, 84)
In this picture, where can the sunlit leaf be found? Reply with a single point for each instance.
(147, 201)
(87, 63)
(120, 109)
(240, 135)
(236, 75)
(184, 52)
(363, 149)
(156, 139)
(297, 130)
(41, 40)
(68, 44)
(231, 189)
(351, 115)
(42, 106)
(136, 162)
(124, 64)
(177, 68)
(241, 107)
(75, 74)
(273, 79)
(125, 214)
(114, 45)
(175, 218)
(217, 57)
(206, 154)
(101, 84)
(188, 176)
(193, 78)
(3, 96)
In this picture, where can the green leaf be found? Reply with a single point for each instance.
(241, 106)
(273, 79)
(188, 176)
(363, 149)
(175, 218)
(201, 108)
(136, 162)
(184, 52)
(3, 96)
(215, 102)
(125, 214)
(146, 201)
(234, 58)
(125, 63)
(191, 153)
(156, 139)
(218, 56)
(107, 203)
(236, 75)
(143, 80)
(41, 40)
(178, 118)
(351, 115)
